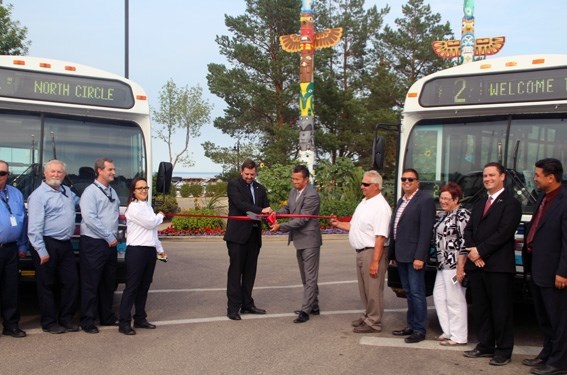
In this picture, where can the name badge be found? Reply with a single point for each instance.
(13, 221)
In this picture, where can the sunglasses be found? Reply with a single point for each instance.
(409, 179)
(142, 188)
(4, 173)
(365, 184)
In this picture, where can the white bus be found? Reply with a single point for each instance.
(54, 109)
(512, 110)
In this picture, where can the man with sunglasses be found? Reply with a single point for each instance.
(368, 235)
(51, 223)
(13, 243)
(100, 208)
(410, 239)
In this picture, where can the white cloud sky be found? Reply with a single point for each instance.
(175, 39)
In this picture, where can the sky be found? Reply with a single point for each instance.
(175, 39)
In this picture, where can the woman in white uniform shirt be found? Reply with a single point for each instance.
(143, 243)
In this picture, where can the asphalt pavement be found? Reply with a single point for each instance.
(188, 304)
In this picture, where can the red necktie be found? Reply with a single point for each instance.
(535, 223)
(487, 206)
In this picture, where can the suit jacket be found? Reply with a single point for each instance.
(549, 256)
(305, 233)
(239, 202)
(414, 230)
(493, 234)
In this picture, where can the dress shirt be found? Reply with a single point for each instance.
(51, 213)
(142, 224)
(370, 219)
(13, 198)
(100, 215)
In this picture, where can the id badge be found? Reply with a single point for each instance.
(13, 221)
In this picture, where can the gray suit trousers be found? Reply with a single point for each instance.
(308, 262)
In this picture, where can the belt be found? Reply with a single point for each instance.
(364, 248)
(8, 244)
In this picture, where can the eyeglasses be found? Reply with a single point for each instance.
(142, 188)
(365, 184)
(409, 179)
(4, 173)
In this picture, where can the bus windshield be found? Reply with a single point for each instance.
(457, 149)
(31, 139)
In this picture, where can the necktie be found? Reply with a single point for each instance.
(535, 223)
(487, 206)
(298, 194)
(252, 192)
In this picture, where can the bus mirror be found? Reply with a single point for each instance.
(378, 153)
(165, 171)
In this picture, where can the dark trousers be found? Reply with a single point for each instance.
(242, 272)
(98, 281)
(140, 265)
(9, 277)
(59, 271)
(550, 305)
(492, 309)
(413, 283)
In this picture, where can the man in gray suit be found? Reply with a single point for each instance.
(306, 236)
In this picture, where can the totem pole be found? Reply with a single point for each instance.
(468, 47)
(306, 43)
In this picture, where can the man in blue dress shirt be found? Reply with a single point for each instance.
(100, 208)
(51, 223)
(13, 240)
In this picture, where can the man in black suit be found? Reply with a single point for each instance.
(411, 229)
(244, 239)
(546, 250)
(489, 239)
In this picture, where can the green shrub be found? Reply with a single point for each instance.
(337, 207)
(167, 206)
(196, 224)
(217, 189)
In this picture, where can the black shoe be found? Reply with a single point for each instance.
(403, 332)
(414, 337)
(55, 329)
(233, 316)
(533, 361)
(90, 329)
(475, 353)
(127, 331)
(302, 317)
(70, 327)
(547, 370)
(252, 310)
(146, 325)
(14, 332)
(499, 361)
(313, 312)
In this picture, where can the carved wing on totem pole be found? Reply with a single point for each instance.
(291, 43)
(450, 49)
(324, 39)
(328, 38)
(488, 46)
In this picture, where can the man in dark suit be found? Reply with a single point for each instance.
(546, 250)
(489, 239)
(244, 239)
(306, 236)
(410, 238)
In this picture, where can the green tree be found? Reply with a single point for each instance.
(345, 124)
(182, 109)
(406, 51)
(260, 85)
(12, 35)
(229, 157)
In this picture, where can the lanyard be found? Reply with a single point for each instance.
(5, 201)
(106, 195)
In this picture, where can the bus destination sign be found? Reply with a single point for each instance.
(495, 88)
(63, 88)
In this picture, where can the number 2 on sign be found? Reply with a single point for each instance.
(463, 84)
